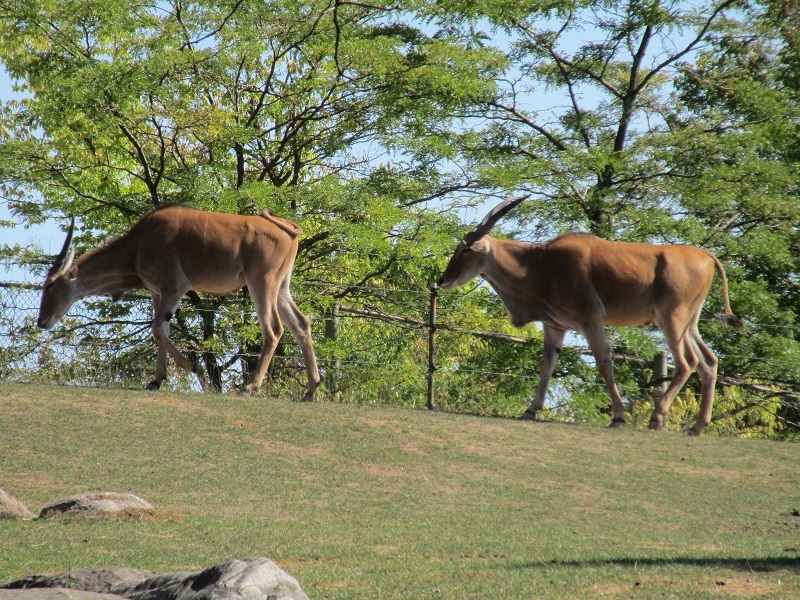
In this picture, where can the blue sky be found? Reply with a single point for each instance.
(49, 237)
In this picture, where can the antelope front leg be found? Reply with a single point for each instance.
(553, 340)
(161, 333)
(161, 367)
(161, 352)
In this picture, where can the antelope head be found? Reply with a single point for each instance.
(58, 292)
(471, 255)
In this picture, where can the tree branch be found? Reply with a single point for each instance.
(525, 120)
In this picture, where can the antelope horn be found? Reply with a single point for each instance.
(61, 259)
(489, 221)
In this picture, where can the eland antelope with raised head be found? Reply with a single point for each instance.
(578, 282)
(174, 249)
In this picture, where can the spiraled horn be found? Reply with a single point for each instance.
(58, 264)
(490, 220)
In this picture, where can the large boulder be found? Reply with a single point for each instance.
(97, 503)
(11, 508)
(248, 579)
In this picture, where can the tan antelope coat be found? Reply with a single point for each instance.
(174, 249)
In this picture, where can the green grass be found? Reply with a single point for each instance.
(375, 502)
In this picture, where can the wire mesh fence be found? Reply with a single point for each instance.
(366, 351)
(374, 346)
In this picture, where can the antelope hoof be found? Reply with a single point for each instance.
(245, 390)
(153, 386)
(616, 423)
(656, 424)
(307, 398)
(694, 432)
(528, 415)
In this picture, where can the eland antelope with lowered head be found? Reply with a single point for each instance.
(174, 249)
(578, 282)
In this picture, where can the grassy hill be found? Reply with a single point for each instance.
(375, 502)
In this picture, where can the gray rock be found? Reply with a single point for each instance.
(96, 502)
(88, 580)
(248, 579)
(53, 594)
(11, 508)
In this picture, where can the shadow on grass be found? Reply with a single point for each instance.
(755, 565)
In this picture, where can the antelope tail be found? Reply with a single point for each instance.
(728, 316)
(290, 227)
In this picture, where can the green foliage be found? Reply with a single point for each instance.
(735, 414)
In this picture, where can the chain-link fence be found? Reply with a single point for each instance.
(374, 346)
(85, 349)
(373, 350)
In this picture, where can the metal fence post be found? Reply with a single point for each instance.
(332, 333)
(431, 343)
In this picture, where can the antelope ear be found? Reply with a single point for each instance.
(72, 273)
(481, 246)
